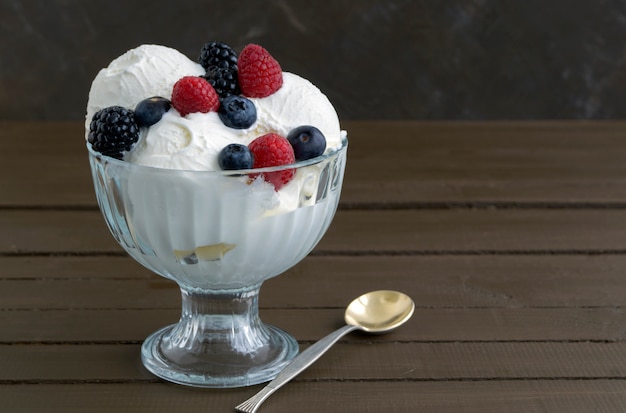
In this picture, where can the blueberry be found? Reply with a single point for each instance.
(150, 111)
(235, 156)
(237, 112)
(307, 142)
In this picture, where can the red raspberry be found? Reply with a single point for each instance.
(273, 150)
(260, 74)
(194, 94)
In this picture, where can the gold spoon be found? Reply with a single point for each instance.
(376, 312)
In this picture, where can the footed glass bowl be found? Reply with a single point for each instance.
(218, 235)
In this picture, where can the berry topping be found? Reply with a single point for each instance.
(224, 82)
(150, 111)
(194, 94)
(235, 156)
(260, 74)
(217, 54)
(273, 150)
(112, 131)
(237, 112)
(220, 63)
(307, 142)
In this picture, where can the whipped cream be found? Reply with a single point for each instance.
(193, 142)
(298, 102)
(146, 71)
(212, 230)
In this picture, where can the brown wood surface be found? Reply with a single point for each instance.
(509, 236)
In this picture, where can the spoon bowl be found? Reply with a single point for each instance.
(376, 312)
(379, 312)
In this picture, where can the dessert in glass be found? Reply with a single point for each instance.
(216, 202)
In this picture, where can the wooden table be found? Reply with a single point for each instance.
(509, 236)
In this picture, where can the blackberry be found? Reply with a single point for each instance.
(113, 131)
(217, 55)
(220, 64)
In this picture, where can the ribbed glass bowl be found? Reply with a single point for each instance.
(218, 235)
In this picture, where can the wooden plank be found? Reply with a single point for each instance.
(478, 281)
(517, 396)
(36, 363)
(47, 163)
(345, 361)
(476, 231)
(440, 162)
(427, 324)
(357, 231)
(470, 361)
(486, 161)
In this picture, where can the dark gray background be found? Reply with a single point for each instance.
(392, 59)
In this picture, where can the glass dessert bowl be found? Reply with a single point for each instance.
(219, 235)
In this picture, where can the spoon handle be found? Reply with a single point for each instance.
(297, 365)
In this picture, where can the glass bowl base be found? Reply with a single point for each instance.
(219, 365)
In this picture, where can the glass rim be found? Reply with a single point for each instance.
(234, 172)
